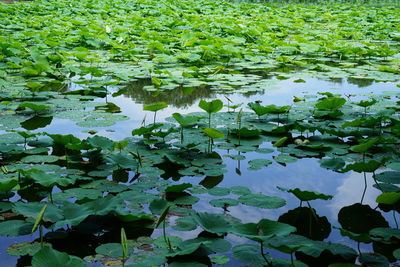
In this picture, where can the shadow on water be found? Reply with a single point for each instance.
(181, 97)
(185, 97)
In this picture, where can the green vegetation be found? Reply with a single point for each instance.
(94, 199)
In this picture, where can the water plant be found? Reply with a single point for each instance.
(78, 63)
(124, 245)
(211, 107)
(154, 107)
(38, 224)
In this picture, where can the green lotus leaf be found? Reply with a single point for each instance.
(334, 163)
(240, 190)
(213, 223)
(101, 142)
(177, 188)
(157, 206)
(364, 146)
(258, 108)
(396, 253)
(262, 201)
(50, 180)
(185, 224)
(186, 121)
(113, 250)
(40, 159)
(257, 164)
(285, 158)
(8, 184)
(25, 248)
(213, 133)
(246, 133)
(33, 106)
(363, 237)
(385, 233)
(186, 263)
(369, 166)
(263, 230)
(318, 247)
(15, 228)
(32, 209)
(146, 131)
(218, 191)
(303, 195)
(212, 106)
(373, 259)
(390, 177)
(366, 103)
(388, 198)
(103, 206)
(155, 106)
(221, 259)
(248, 253)
(186, 200)
(394, 166)
(73, 214)
(155, 257)
(224, 202)
(48, 257)
(64, 139)
(330, 103)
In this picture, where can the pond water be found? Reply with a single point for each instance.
(306, 173)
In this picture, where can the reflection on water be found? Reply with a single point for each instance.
(181, 97)
(185, 97)
(360, 82)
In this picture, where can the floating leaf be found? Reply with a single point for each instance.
(224, 202)
(263, 230)
(257, 164)
(306, 195)
(113, 250)
(15, 228)
(221, 259)
(285, 158)
(48, 257)
(185, 224)
(262, 201)
(213, 223)
(25, 248)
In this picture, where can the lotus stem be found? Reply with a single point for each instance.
(263, 254)
(41, 235)
(365, 187)
(166, 238)
(181, 134)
